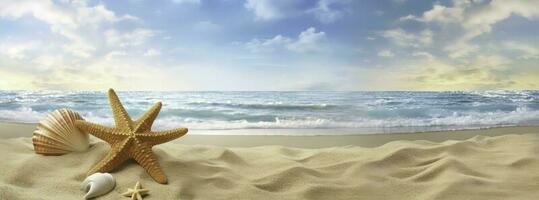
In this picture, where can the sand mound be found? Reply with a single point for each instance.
(504, 167)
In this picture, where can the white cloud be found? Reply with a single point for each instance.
(268, 45)
(114, 54)
(529, 51)
(307, 41)
(408, 17)
(152, 52)
(17, 50)
(187, 1)
(98, 14)
(48, 61)
(80, 49)
(77, 53)
(461, 49)
(489, 71)
(386, 53)
(403, 38)
(68, 19)
(326, 11)
(481, 20)
(62, 21)
(43, 10)
(475, 18)
(65, 16)
(267, 9)
(439, 13)
(491, 62)
(132, 38)
(423, 54)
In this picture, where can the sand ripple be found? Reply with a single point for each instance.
(504, 167)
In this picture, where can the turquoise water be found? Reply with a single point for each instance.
(415, 111)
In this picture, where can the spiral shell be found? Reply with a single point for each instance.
(98, 184)
(57, 134)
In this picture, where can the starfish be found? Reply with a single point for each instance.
(130, 139)
(136, 193)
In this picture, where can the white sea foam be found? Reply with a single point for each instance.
(24, 114)
(469, 120)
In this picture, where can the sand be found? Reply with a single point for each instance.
(481, 167)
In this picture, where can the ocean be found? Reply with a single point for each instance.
(362, 112)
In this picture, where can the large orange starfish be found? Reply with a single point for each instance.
(131, 139)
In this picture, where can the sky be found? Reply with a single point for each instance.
(277, 45)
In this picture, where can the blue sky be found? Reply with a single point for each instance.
(269, 45)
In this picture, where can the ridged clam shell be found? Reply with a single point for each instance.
(57, 134)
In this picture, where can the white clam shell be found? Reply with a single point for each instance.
(98, 184)
(57, 134)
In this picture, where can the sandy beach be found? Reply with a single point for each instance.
(498, 163)
(269, 100)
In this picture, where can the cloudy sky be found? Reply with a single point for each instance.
(269, 44)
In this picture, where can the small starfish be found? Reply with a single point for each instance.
(130, 139)
(136, 193)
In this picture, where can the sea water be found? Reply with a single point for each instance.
(361, 111)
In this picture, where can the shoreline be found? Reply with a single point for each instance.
(245, 138)
(340, 131)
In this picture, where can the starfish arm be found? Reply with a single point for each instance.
(144, 123)
(121, 117)
(102, 132)
(115, 157)
(128, 193)
(143, 191)
(143, 154)
(159, 137)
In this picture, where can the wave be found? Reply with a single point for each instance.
(508, 95)
(521, 115)
(456, 121)
(293, 110)
(271, 105)
(23, 114)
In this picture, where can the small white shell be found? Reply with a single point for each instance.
(57, 134)
(98, 184)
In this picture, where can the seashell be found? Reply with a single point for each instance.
(98, 184)
(57, 134)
